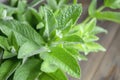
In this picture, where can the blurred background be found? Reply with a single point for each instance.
(101, 65)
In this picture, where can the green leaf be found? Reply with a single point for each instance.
(90, 38)
(48, 67)
(92, 7)
(13, 2)
(4, 43)
(7, 68)
(45, 76)
(89, 27)
(94, 47)
(73, 38)
(50, 23)
(58, 75)
(23, 32)
(99, 30)
(35, 3)
(108, 15)
(13, 41)
(75, 53)
(52, 4)
(29, 49)
(67, 14)
(8, 54)
(32, 17)
(63, 61)
(114, 4)
(28, 71)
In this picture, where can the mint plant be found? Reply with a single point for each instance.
(46, 43)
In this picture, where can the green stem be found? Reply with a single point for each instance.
(86, 20)
(74, 1)
(100, 9)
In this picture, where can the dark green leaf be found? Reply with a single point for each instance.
(58, 75)
(45, 76)
(4, 43)
(28, 71)
(7, 68)
(13, 2)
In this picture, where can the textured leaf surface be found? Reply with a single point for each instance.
(50, 22)
(23, 32)
(70, 13)
(63, 60)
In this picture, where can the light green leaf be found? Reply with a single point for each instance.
(89, 27)
(29, 49)
(94, 47)
(114, 4)
(58, 75)
(72, 38)
(108, 15)
(99, 30)
(7, 68)
(50, 23)
(52, 4)
(71, 12)
(28, 71)
(92, 7)
(90, 38)
(8, 54)
(48, 67)
(63, 61)
(75, 53)
(22, 31)
(35, 3)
